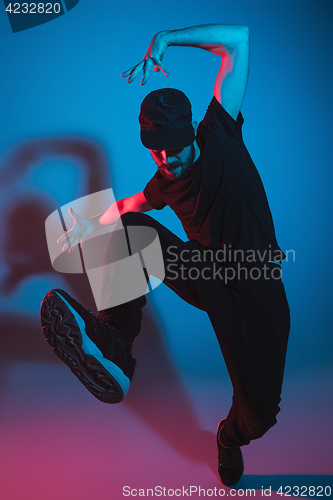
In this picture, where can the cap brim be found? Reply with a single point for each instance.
(173, 139)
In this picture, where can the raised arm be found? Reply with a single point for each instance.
(230, 42)
(82, 226)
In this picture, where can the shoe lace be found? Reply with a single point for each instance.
(228, 457)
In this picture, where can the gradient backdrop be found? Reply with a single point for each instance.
(69, 128)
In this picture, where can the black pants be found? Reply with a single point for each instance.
(250, 316)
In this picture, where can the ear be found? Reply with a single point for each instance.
(195, 126)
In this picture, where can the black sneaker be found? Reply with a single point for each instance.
(97, 353)
(231, 464)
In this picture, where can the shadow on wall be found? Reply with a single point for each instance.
(24, 250)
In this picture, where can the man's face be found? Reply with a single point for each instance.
(174, 164)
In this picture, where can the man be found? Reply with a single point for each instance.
(211, 183)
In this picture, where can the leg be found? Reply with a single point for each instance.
(253, 332)
(98, 350)
(127, 316)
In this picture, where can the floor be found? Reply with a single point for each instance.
(58, 442)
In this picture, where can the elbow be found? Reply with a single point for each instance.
(243, 34)
(238, 36)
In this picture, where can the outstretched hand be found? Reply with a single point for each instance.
(152, 59)
(77, 234)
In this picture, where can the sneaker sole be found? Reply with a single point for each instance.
(64, 331)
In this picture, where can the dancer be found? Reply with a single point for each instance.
(229, 267)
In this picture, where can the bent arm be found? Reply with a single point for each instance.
(231, 43)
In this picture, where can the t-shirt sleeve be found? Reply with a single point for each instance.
(152, 194)
(218, 120)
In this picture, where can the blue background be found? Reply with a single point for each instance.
(62, 80)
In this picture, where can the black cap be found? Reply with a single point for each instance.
(166, 120)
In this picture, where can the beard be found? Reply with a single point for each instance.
(186, 168)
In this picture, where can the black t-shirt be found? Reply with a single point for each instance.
(222, 204)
